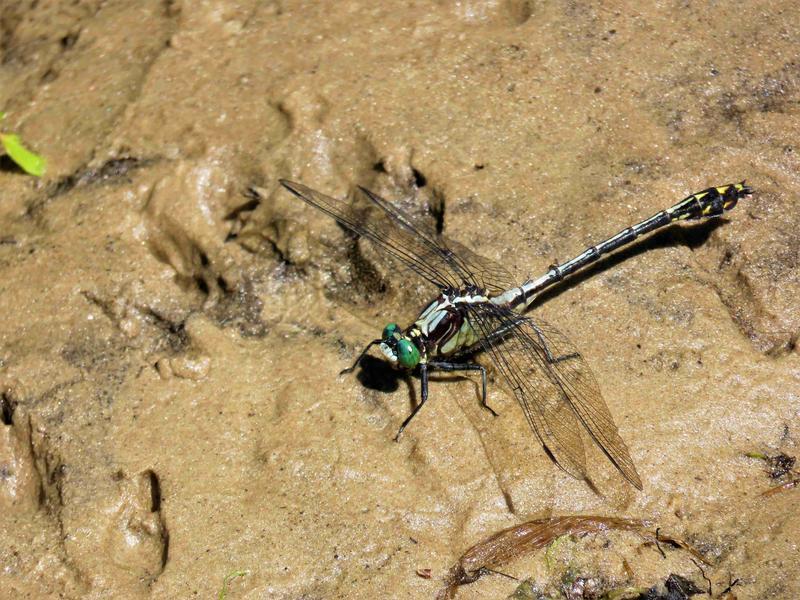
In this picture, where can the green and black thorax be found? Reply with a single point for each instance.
(442, 329)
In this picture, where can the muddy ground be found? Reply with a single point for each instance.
(169, 348)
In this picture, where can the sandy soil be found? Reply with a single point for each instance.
(169, 349)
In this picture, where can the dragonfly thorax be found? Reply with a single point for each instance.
(444, 325)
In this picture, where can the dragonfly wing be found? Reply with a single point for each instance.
(581, 388)
(486, 273)
(555, 387)
(406, 245)
(546, 409)
(443, 262)
(469, 268)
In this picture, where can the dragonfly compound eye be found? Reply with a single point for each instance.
(390, 330)
(407, 354)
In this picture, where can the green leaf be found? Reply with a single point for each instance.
(30, 162)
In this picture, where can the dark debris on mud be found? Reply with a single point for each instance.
(115, 169)
(240, 307)
(674, 587)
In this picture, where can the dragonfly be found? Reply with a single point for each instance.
(478, 308)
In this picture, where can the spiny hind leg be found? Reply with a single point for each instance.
(450, 367)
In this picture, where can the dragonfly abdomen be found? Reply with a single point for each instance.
(711, 202)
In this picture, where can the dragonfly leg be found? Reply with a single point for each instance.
(448, 366)
(360, 357)
(550, 358)
(423, 374)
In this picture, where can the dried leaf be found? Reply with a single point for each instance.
(513, 542)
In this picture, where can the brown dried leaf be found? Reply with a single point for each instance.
(513, 542)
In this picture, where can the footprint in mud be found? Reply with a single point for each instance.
(136, 537)
(185, 218)
(119, 543)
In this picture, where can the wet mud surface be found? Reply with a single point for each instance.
(169, 344)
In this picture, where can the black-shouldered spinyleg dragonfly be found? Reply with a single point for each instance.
(479, 309)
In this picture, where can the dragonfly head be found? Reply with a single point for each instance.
(398, 348)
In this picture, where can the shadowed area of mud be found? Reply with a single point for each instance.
(170, 342)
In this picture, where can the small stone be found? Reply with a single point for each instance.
(164, 369)
(189, 366)
(130, 327)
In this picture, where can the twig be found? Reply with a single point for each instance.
(659, 545)
(786, 486)
(493, 571)
(697, 564)
(731, 585)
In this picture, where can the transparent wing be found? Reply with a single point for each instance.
(554, 386)
(443, 263)
(470, 267)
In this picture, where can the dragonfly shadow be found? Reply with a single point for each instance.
(692, 236)
(379, 375)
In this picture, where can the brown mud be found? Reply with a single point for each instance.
(169, 346)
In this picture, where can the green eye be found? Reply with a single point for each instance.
(407, 354)
(390, 330)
